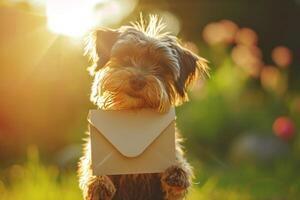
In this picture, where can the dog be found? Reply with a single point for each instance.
(134, 67)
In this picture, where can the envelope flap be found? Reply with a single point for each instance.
(131, 132)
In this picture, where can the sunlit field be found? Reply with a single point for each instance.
(242, 124)
(35, 181)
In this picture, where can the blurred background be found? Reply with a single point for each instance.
(242, 125)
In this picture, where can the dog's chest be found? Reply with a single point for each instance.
(137, 187)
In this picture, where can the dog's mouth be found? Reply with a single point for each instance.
(130, 100)
(136, 99)
(119, 95)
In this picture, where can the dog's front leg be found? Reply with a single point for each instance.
(100, 188)
(177, 179)
(93, 187)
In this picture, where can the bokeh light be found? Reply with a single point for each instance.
(111, 12)
(171, 21)
(272, 79)
(220, 32)
(284, 127)
(230, 28)
(248, 58)
(282, 56)
(247, 37)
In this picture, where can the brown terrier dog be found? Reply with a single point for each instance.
(138, 67)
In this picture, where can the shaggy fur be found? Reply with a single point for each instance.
(136, 67)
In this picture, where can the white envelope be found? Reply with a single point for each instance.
(130, 142)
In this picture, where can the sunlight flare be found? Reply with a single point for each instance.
(68, 18)
(77, 17)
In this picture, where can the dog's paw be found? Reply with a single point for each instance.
(175, 182)
(176, 177)
(101, 188)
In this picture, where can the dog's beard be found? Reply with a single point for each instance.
(111, 91)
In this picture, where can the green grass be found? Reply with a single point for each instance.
(34, 181)
(276, 182)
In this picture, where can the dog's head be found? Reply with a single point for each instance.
(138, 66)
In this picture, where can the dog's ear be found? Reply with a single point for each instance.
(99, 45)
(191, 66)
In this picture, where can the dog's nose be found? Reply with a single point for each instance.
(137, 82)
